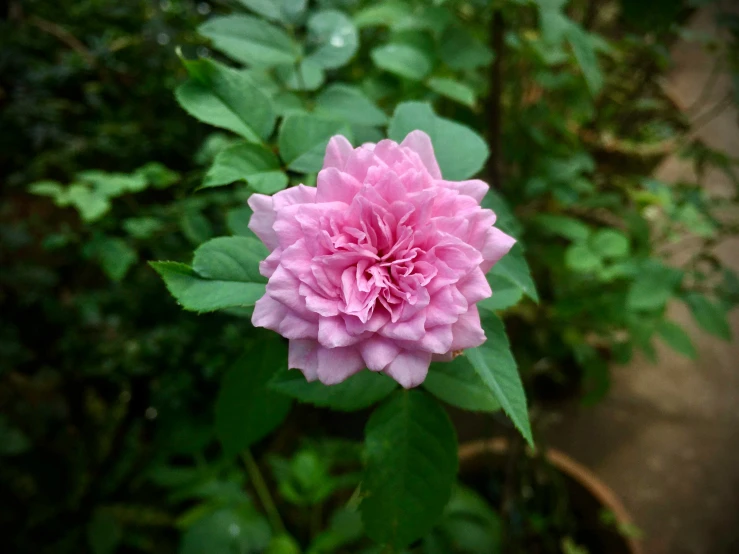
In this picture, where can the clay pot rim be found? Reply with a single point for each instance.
(575, 470)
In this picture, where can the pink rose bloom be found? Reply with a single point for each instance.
(379, 266)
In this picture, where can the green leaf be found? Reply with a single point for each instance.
(197, 294)
(231, 529)
(195, 226)
(226, 98)
(563, 226)
(469, 526)
(250, 40)
(91, 204)
(505, 219)
(283, 544)
(303, 139)
(237, 221)
(333, 39)
(231, 259)
(459, 150)
(514, 268)
(252, 163)
(12, 440)
(113, 184)
(709, 316)
(158, 175)
(103, 532)
(505, 294)
(357, 392)
(457, 383)
(580, 258)
(411, 463)
(383, 14)
(307, 75)
(246, 409)
(460, 50)
(677, 339)
(654, 285)
(584, 50)
(610, 243)
(47, 188)
(115, 256)
(495, 365)
(451, 88)
(345, 528)
(349, 104)
(277, 10)
(402, 59)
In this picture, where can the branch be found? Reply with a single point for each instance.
(64, 36)
(495, 104)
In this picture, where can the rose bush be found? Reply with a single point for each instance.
(379, 266)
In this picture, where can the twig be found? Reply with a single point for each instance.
(260, 486)
(706, 117)
(64, 36)
(591, 12)
(708, 87)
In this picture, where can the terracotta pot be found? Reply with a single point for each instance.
(587, 491)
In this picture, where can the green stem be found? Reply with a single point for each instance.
(260, 486)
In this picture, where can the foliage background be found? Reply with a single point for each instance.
(103, 374)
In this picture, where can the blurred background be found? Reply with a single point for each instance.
(615, 115)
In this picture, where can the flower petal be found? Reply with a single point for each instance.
(268, 313)
(496, 246)
(378, 352)
(338, 151)
(475, 287)
(263, 219)
(420, 143)
(334, 185)
(467, 331)
(303, 355)
(409, 368)
(337, 364)
(332, 333)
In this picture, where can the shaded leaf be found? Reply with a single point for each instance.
(250, 40)
(247, 410)
(349, 104)
(451, 88)
(495, 365)
(231, 259)
(253, 163)
(457, 383)
(709, 316)
(654, 285)
(303, 138)
(307, 75)
(411, 463)
(514, 268)
(677, 339)
(402, 59)
(197, 294)
(103, 532)
(333, 39)
(459, 150)
(505, 294)
(226, 98)
(459, 49)
(355, 393)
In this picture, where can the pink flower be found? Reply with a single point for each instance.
(379, 266)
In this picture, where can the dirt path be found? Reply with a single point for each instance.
(667, 437)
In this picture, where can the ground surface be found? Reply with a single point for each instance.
(667, 437)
